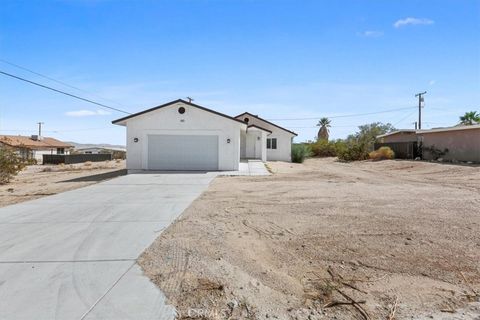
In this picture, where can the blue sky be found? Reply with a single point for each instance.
(279, 59)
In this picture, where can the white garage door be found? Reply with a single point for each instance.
(180, 152)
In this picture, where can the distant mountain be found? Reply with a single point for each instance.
(92, 145)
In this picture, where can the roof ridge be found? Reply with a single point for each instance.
(271, 123)
(171, 103)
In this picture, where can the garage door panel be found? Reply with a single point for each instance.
(182, 152)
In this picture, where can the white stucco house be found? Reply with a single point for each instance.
(181, 135)
(278, 142)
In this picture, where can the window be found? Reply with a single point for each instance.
(60, 150)
(271, 143)
(181, 110)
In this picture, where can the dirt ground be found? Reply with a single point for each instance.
(39, 181)
(327, 240)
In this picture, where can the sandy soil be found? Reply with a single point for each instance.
(401, 238)
(39, 181)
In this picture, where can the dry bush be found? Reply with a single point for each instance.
(10, 164)
(87, 164)
(383, 153)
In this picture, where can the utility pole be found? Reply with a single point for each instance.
(40, 129)
(416, 125)
(420, 101)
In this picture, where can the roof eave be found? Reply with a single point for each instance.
(271, 123)
(122, 121)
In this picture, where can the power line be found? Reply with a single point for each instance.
(408, 115)
(346, 115)
(57, 81)
(62, 92)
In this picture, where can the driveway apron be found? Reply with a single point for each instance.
(73, 255)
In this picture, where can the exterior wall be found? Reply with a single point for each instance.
(243, 144)
(284, 140)
(255, 144)
(400, 137)
(194, 121)
(38, 154)
(463, 145)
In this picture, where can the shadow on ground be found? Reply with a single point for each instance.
(99, 177)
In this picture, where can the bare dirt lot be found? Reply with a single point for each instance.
(400, 238)
(39, 181)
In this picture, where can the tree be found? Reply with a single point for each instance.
(323, 132)
(368, 133)
(470, 118)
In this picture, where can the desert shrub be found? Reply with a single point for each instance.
(383, 153)
(353, 151)
(10, 164)
(300, 152)
(87, 164)
(30, 162)
(435, 152)
(323, 148)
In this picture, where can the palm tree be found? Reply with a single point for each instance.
(324, 124)
(470, 118)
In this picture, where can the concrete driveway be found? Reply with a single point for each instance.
(73, 255)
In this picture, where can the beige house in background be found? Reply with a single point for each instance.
(462, 142)
(34, 147)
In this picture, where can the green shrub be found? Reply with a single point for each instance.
(300, 152)
(353, 151)
(383, 153)
(10, 164)
(323, 148)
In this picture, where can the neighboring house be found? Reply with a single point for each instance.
(117, 153)
(403, 142)
(278, 142)
(34, 147)
(462, 142)
(403, 135)
(181, 135)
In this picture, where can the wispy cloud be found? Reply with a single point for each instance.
(432, 82)
(371, 34)
(87, 113)
(412, 21)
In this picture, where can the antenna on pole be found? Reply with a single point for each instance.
(190, 99)
(420, 101)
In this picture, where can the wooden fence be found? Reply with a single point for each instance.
(75, 158)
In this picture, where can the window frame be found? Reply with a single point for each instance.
(272, 143)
